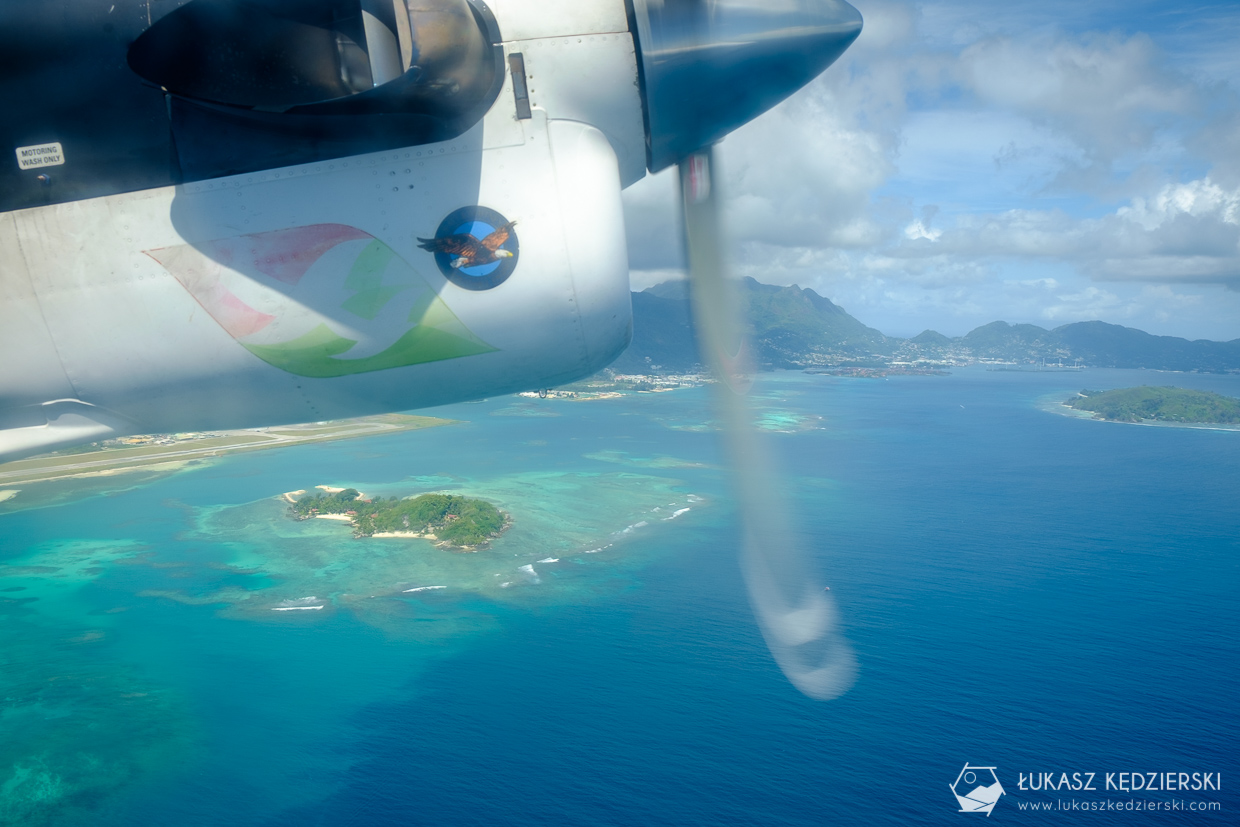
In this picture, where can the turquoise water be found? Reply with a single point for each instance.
(1025, 590)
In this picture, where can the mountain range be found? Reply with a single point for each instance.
(794, 327)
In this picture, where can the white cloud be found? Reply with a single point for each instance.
(1109, 93)
(641, 279)
(962, 164)
(1089, 303)
(1202, 198)
(918, 230)
(1181, 233)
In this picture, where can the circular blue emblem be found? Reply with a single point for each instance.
(475, 248)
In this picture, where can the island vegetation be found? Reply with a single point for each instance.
(457, 521)
(1150, 404)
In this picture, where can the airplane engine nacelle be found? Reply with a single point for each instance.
(260, 212)
(235, 213)
(403, 279)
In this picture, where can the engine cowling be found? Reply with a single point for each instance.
(309, 293)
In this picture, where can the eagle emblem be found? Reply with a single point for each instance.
(475, 248)
(465, 250)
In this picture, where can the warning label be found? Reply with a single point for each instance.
(40, 155)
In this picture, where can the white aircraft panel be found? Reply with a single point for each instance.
(30, 370)
(527, 19)
(63, 423)
(592, 210)
(592, 79)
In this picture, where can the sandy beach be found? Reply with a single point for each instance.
(289, 496)
(407, 534)
(9, 494)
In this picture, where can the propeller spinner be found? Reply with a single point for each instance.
(710, 66)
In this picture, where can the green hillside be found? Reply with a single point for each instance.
(1099, 345)
(792, 322)
(662, 336)
(1018, 342)
(1113, 346)
(792, 327)
(1159, 405)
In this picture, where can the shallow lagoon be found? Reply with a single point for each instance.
(138, 613)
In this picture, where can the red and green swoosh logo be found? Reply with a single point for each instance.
(320, 301)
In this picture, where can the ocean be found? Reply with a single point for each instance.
(1028, 593)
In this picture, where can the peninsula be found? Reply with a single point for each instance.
(454, 521)
(171, 451)
(1149, 404)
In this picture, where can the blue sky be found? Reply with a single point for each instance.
(965, 162)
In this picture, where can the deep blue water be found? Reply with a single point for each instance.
(1024, 590)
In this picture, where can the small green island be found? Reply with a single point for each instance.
(1166, 404)
(452, 520)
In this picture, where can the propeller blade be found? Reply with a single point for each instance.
(798, 618)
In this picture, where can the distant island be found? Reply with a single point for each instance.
(1148, 404)
(794, 328)
(452, 520)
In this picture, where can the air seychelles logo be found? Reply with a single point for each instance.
(475, 248)
(330, 300)
(977, 789)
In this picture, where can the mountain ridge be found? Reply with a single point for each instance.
(795, 327)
